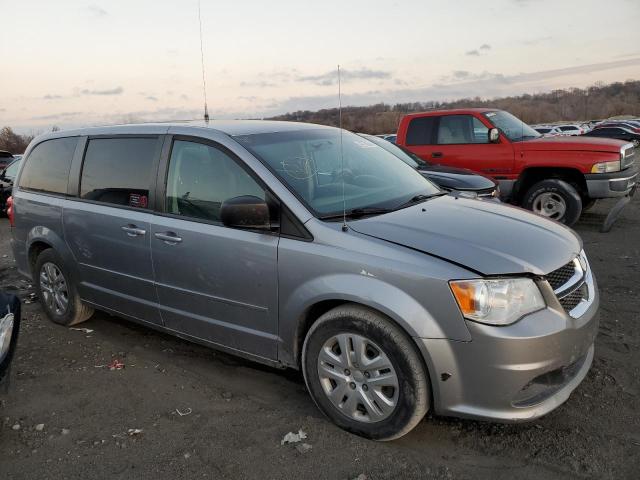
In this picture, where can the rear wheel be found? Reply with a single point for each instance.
(555, 199)
(364, 373)
(56, 291)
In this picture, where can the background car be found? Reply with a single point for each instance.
(5, 158)
(547, 131)
(570, 130)
(9, 327)
(447, 178)
(6, 183)
(619, 133)
(633, 126)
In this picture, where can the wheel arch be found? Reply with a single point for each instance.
(41, 238)
(532, 175)
(401, 309)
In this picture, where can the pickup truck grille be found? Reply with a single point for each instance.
(569, 283)
(629, 157)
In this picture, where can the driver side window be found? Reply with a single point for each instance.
(201, 178)
(461, 129)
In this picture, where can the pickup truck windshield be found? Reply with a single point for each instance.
(514, 128)
(308, 162)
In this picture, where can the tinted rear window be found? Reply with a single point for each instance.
(119, 170)
(420, 131)
(48, 164)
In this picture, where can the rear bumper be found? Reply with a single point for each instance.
(515, 373)
(618, 184)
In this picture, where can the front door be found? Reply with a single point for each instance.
(463, 141)
(215, 283)
(108, 227)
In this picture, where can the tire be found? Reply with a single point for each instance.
(46, 283)
(563, 203)
(405, 400)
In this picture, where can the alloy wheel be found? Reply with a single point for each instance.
(358, 377)
(54, 288)
(550, 204)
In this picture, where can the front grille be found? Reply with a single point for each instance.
(573, 299)
(628, 159)
(561, 276)
(569, 283)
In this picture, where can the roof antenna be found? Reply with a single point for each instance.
(204, 82)
(344, 202)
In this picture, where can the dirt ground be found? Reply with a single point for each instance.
(204, 414)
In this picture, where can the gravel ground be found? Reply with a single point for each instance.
(204, 414)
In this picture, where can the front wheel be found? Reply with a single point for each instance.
(555, 199)
(365, 374)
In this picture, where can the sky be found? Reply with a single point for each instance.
(75, 63)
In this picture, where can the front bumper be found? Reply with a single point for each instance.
(514, 373)
(607, 185)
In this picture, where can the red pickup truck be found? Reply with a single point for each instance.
(557, 177)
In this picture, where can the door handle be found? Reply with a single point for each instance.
(169, 238)
(133, 230)
(436, 155)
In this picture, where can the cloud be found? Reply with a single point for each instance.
(536, 41)
(331, 78)
(460, 84)
(473, 53)
(485, 46)
(111, 91)
(97, 11)
(260, 84)
(50, 96)
(63, 115)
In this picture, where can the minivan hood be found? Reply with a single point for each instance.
(580, 143)
(488, 237)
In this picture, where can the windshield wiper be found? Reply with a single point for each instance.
(419, 199)
(357, 213)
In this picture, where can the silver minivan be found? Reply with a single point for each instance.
(309, 247)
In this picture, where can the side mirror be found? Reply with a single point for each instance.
(494, 135)
(247, 212)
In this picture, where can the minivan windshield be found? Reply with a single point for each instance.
(511, 126)
(367, 178)
(406, 156)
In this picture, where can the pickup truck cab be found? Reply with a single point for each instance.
(555, 177)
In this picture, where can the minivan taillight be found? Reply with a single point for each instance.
(10, 211)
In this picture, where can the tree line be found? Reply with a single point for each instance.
(596, 102)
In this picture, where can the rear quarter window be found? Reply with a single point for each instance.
(420, 131)
(47, 166)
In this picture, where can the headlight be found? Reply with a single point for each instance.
(606, 167)
(497, 302)
(6, 329)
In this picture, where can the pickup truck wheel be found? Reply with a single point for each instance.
(555, 199)
(365, 373)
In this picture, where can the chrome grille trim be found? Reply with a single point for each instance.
(576, 293)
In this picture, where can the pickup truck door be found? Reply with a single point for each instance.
(463, 141)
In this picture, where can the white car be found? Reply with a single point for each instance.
(570, 130)
(547, 130)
